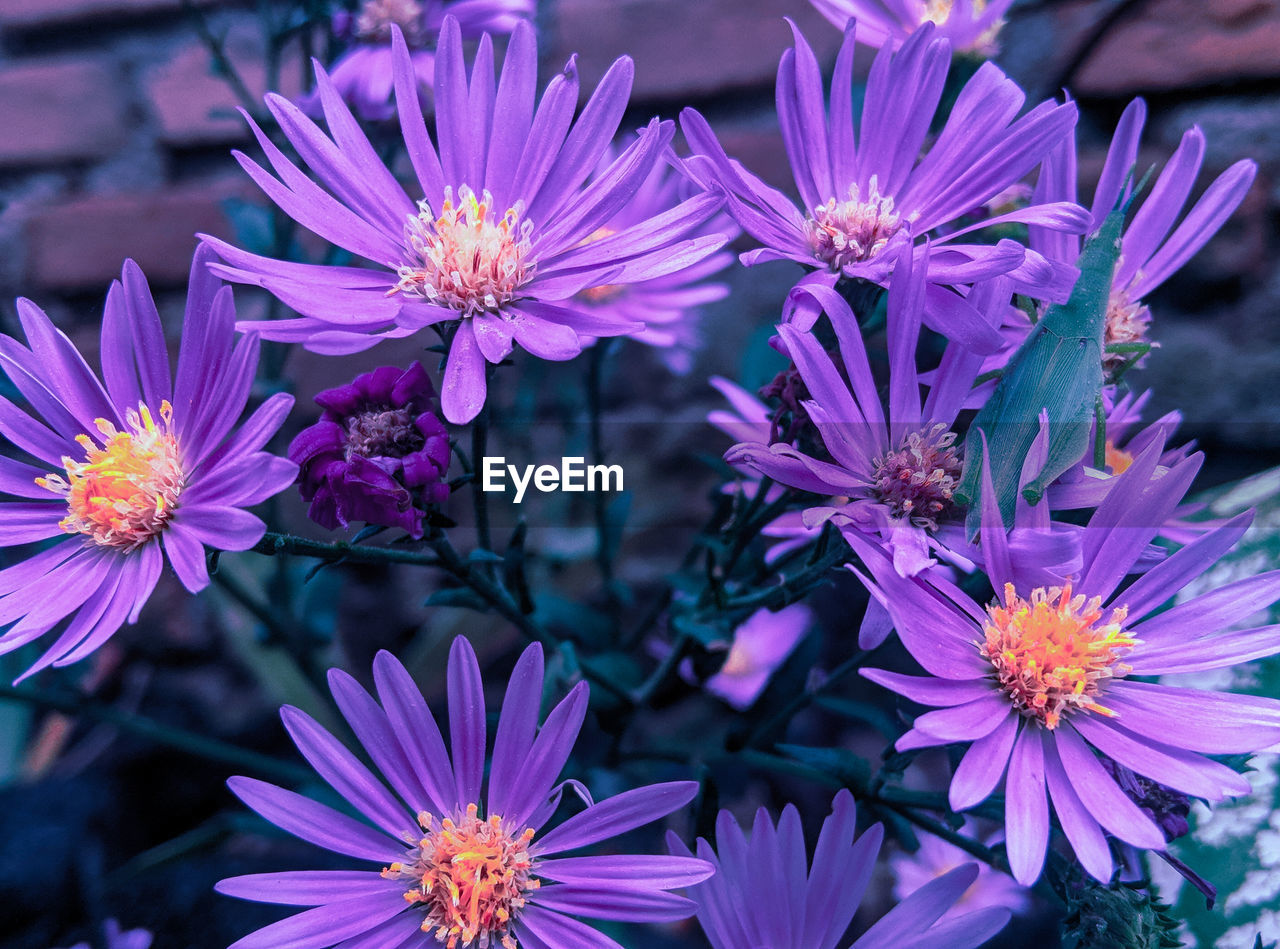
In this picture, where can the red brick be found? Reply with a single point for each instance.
(30, 13)
(59, 110)
(684, 48)
(195, 107)
(1179, 44)
(80, 244)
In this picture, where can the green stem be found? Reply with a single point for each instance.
(806, 698)
(185, 741)
(273, 543)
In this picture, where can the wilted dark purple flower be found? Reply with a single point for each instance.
(764, 895)
(869, 195)
(144, 466)
(456, 869)
(1167, 807)
(494, 244)
(364, 75)
(378, 454)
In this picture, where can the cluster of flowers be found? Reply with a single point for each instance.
(525, 226)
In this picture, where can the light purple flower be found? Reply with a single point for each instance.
(1151, 249)
(118, 472)
(454, 866)
(891, 474)
(936, 858)
(364, 75)
(1037, 680)
(668, 306)
(970, 25)
(764, 895)
(761, 643)
(496, 248)
(868, 196)
(117, 938)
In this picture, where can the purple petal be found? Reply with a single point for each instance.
(617, 815)
(467, 735)
(314, 822)
(1026, 808)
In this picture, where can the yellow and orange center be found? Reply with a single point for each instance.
(125, 490)
(376, 17)
(1052, 653)
(939, 11)
(855, 230)
(1117, 459)
(468, 258)
(470, 876)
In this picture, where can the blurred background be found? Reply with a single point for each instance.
(115, 131)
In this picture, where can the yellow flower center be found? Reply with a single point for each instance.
(124, 492)
(1052, 654)
(1117, 459)
(939, 11)
(376, 17)
(470, 876)
(852, 231)
(465, 259)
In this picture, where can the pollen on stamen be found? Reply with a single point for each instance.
(917, 480)
(467, 258)
(1052, 654)
(124, 492)
(470, 877)
(1126, 324)
(854, 230)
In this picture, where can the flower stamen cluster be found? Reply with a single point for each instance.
(918, 479)
(383, 432)
(464, 259)
(1051, 655)
(123, 493)
(1126, 324)
(848, 232)
(470, 876)
(376, 17)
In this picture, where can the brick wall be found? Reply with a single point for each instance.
(115, 134)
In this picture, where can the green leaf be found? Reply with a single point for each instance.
(1057, 369)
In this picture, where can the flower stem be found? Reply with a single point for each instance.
(189, 742)
(274, 543)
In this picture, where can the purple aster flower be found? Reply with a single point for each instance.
(764, 895)
(1151, 249)
(666, 305)
(1038, 679)
(117, 938)
(126, 467)
(970, 25)
(891, 473)
(869, 196)
(364, 76)
(936, 858)
(496, 248)
(455, 868)
(378, 453)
